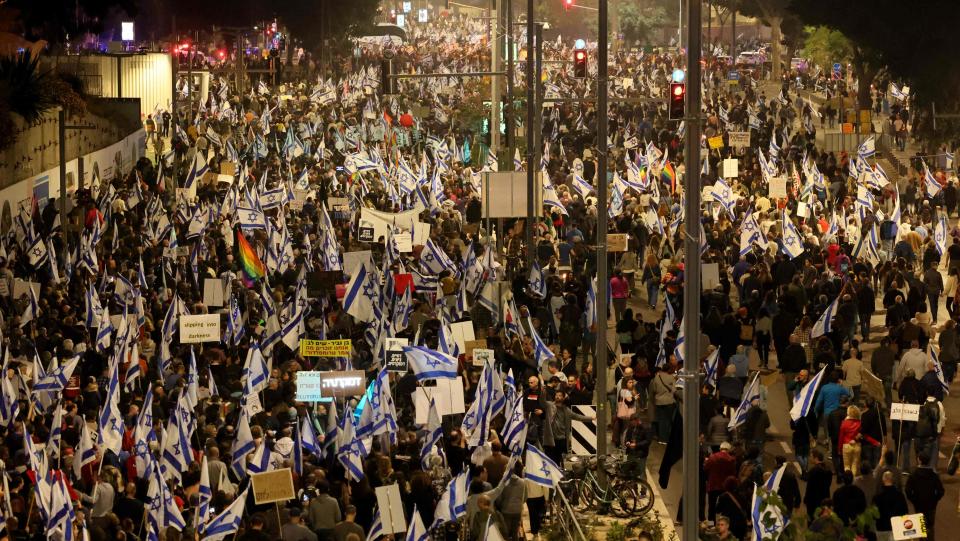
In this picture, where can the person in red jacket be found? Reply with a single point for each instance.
(718, 466)
(848, 442)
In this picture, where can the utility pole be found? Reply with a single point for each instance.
(691, 281)
(600, 348)
(493, 23)
(733, 33)
(175, 59)
(531, 143)
(508, 103)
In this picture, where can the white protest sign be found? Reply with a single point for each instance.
(731, 168)
(213, 292)
(404, 242)
(904, 412)
(739, 139)
(351, 260)
(462, 332)
(710, 275)
(481, 356)
(199, 328)
(391, 509)
(778, 188)
(447, 395)
(803, 210)
(308, 386)
(21, 288)
(908, 527)
(421, 232)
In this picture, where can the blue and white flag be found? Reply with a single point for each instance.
(262, 459)
(933, 187)
(773, 482)
(429, 364)
(792, 241)
(243, 444)
(536, 281)
(750, 393)
(376, 529)
(768, 520)
(361, 292)
(32, 311)
(205, 495)
(197, 169)
(228, 521)
(940, 234)
(94, 308)
(416, 531)
(541, 353)
(540, 469)
(350, 449)
(804, 400)
(162, 510)
(111, 426)
(453, 502)
(867, 148)
(143, 434)
(85, 452)
(711, 364)
(54, 381)
(308, 438)
(176, 453)
(433, 260)
(433, 437)
(825, 324)
(935, 357)
(515, 427)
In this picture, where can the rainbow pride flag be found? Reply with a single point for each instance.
(670, 176)
(250, 263)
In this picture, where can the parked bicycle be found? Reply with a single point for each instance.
(624, 495)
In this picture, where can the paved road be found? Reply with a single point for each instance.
(948, 517)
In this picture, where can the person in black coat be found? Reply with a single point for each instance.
(819, 478)
(924, 490)
(848, 500)
(890, 502)
(729, 506)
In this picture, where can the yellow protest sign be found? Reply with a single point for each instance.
(715, 142)
(325, 348)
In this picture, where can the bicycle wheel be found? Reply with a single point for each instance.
(585, 496)
(624, 503)
(645, 496)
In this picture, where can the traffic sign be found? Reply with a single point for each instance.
(837, 68)
(733, 75)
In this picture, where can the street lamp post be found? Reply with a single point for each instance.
(691, 279)
(531, 116)
(600, 348)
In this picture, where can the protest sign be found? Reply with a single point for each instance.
(272, 486)
(199, 328)
(325, 348)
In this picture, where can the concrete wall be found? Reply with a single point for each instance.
(31, 167)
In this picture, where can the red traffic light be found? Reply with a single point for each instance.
(580, 55)
(677, 95)
(567, 4)
(678, 89)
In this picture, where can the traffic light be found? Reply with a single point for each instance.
(387, 83)
(567, 4)
(678, 92)
(579, 63)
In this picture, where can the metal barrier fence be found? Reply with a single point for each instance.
(566, 518)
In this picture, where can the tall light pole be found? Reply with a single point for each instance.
(691, 280)
(600, 348)
(531, 148)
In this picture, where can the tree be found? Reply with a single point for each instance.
(637, 24)
(923, 53)
(773, 13)
(824, 46)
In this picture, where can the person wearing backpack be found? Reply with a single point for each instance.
(930, 423)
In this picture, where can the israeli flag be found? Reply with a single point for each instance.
(417, 531)
(792, 241)
(515, 427)
(867, 148)
(932, 351)
(550, 198)
(825, 323)
(536, 281)
(940, 234)
(768, 520)
(541, 353)
(711, 364)
(773, 482)
(429, 364)
(433, 437)
(37, 253)
(804, 400)
(434, 260)
(228, 521)
(933, 187)
(243, 445)
(453, 502)
(582, 187)
(540, 469)
(750, 393)
(250, 218)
